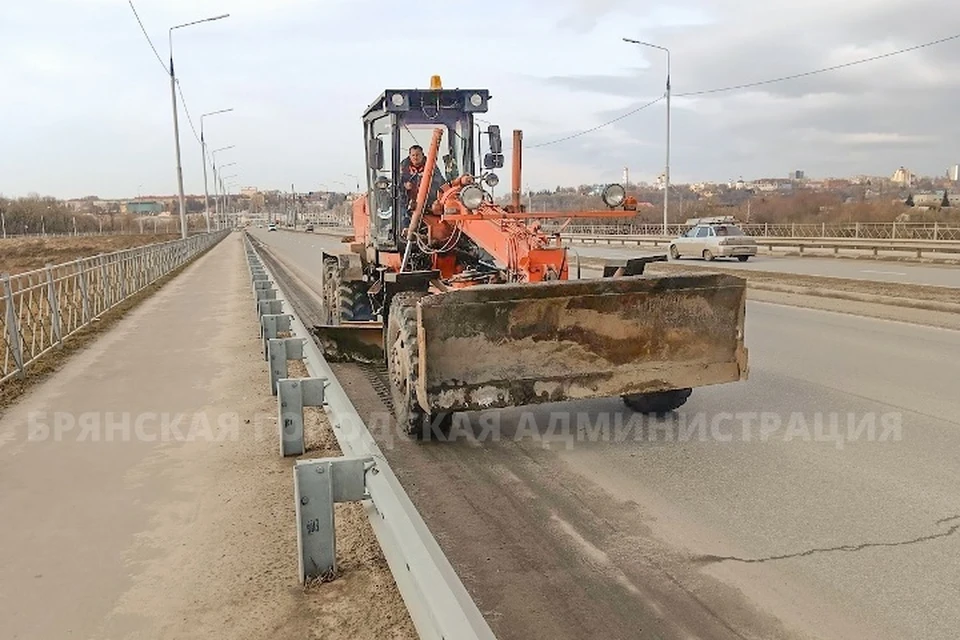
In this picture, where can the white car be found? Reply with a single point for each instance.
(709, 241)
(271, 227)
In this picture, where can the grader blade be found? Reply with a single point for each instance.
(494, 346)
(350, 341)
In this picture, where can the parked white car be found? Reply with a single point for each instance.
(709, 241)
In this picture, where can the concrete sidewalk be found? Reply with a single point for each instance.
(141, 492)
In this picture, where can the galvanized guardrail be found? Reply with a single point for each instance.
(439, 605)
(918, 248)
(40, 308)
(934, 231)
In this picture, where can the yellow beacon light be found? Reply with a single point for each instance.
(435, 84)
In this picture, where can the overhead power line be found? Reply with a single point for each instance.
(149, 41)
(756, 84)
(599, 126)
(183, 101)
(818, 71)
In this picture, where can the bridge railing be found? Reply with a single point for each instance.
(856, 230)
(40, 308)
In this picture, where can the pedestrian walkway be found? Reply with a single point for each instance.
(141, 494)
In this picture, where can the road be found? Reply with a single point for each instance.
(883, 271)
(740, 516)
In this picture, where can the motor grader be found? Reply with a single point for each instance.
(470, 304)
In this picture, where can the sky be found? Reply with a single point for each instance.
(86, 108)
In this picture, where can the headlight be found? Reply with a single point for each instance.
(397, 99)
(476, 100)
(471, 196)
(613, 195)
(491, 179)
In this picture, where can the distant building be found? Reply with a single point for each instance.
(954, 173)
(143, 207)
(903, 177)
(796, 175)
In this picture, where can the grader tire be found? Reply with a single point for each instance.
(658, 403)
(402, 368)
(354, 303)
(330, 284)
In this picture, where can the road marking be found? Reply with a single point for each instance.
(889, 273)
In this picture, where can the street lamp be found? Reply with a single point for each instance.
(221, 210)
(176, 125)
(203, 149)
(666, 187)
(226, 197)
(350, 175)
(213, 155)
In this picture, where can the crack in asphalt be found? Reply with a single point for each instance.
(708, 559)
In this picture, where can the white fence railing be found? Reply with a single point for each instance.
(39, 308)
(855, 230)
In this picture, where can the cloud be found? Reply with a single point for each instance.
(86, 106)
(870, 118)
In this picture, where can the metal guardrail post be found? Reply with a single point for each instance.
(55, 325)
(266, 294)
(271, 324)
(279, 350)
(269, 307)
(293, 394)
(13, 326)
(317, 485)
(84, 293)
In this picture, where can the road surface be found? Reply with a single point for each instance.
(746, 514)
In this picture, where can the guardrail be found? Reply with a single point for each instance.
(918, 248)
(40, 308)
(439, 605)
(853, 230)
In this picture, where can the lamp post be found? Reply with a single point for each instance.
(226, 197)
(176, 125)
(203, 149)
(223, 211)
(666, 186)
(213, 155)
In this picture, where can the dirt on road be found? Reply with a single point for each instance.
(24, 254)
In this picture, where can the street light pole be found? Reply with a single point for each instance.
(223, 211)
(176, 124)
(666, 186)
(203, 149)
(226, 194)
(213, 154)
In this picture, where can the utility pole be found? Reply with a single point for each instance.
(666, 176)
(176, 124)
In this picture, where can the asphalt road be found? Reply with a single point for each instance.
(884, 271)
(820, 498)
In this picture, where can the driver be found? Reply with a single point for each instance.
(411, 172)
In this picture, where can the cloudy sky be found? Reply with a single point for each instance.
(85, 107)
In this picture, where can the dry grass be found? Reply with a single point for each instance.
(24, 254)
